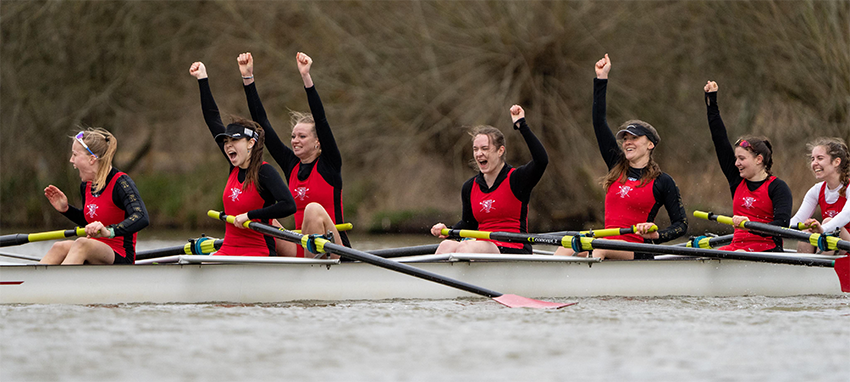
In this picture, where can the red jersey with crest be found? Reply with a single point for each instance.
(830, 210)
(758, 207)
(498, 210)
(101, 208)
(242, 241)
(626, 204)
(314, 189)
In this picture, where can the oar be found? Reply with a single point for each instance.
(405, 251)
(825, 243)
(547, 238)
(322, 245)
(22, 257)
(707, 242)
(199, 246)
(580, 244)
(339, 227)
(599, 232)
(23, 238)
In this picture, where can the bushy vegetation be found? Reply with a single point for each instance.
(401, 81)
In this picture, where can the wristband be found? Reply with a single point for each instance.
(111, 232)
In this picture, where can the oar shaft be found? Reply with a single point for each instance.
(23, 238)
(506, 236)
(812, 238)
(327, 246)
(339, 227)
(205, 247)
(405, 251)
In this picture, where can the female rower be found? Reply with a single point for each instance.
(313, 165)
(497, 198)
(113, 211)
(254, 190)
(635, 186)
(830, 162)
(756, 194)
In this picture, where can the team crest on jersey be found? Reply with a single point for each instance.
(831, 214)
(91, 210)
(301, 193)
(748, 202)
(624, 191)
(487, 205)
(234, 193)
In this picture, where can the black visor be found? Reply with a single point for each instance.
(237, 131)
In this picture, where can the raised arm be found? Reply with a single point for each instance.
(208, 106)
(330, 151)
(525, 177)
(722, 147)
(608, 147)
(281, 153)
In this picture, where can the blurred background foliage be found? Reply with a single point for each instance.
(401, 82)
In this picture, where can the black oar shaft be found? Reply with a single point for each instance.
(811, 238)
(405, 251)
(23, 238)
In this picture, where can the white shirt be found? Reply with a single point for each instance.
(810, 202)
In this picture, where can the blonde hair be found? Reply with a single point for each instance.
(103, 144)
(296, 117)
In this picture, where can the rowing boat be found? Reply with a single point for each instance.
(200, 279)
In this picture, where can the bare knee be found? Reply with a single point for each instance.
(448, 246)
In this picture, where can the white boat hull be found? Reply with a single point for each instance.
(330, 281)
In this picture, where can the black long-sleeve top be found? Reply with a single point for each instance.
(522, 181)
(278, 202)
(125, 194)
(778, 190)
(664, 189)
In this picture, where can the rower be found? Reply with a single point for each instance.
(113, 211)
(497, 198)
(254, 189)
(313, 164)
(757, 195)
(635, 186)
(830, 162)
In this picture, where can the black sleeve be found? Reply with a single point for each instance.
(611, 152)
(330, 151)
(75, 214)
(525, 177)
(281, 153)
(666, 191)
(126, 194)
(722, 147)
(780, 195)
(272, 184)
(211, 114)
(467, 220)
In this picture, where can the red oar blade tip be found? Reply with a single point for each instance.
(514, 301)
(842, 269)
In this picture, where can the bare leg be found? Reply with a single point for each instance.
(468, 246)
(57, 252)
(614, 255)
(564, 251)
(85, 250)
(283, 247)
(317, 221)
(804, 247)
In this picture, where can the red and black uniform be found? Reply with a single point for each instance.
(831, 210)
(504, 206)
(629, 204)
(117, 206)
(767, 201)
(271, 201)
(319, 181)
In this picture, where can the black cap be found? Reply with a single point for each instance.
(237, 131)
(638, 130)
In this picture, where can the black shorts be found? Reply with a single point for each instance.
(644, 256)
(514, 251)
(122, 259)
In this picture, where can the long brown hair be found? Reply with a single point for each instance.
(758, 146)
(835, 148)
(618, 172)
(255, 159)
(103, 144)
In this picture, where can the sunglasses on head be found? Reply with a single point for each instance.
(743, 143)
(79, 138)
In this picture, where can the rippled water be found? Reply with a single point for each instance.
(802, 338)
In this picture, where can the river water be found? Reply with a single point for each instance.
(803, 338)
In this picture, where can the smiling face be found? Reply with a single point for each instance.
(487, 155)
(305, 143)
(84, 162)
(237, 150)
(637, 150)
(749, 164)
(823, 165)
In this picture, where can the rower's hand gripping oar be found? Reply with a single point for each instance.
(23, 238)
(322, 245)
(823, 242)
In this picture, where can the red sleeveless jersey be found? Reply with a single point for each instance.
(314, 189)
(626, 204)
(101, 208)
(830, 210)
(757, 206)
(242, 241)
(498, 210)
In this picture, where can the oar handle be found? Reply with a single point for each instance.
(339, 227)
(23, 238)
(616, 231)
(230, 219)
